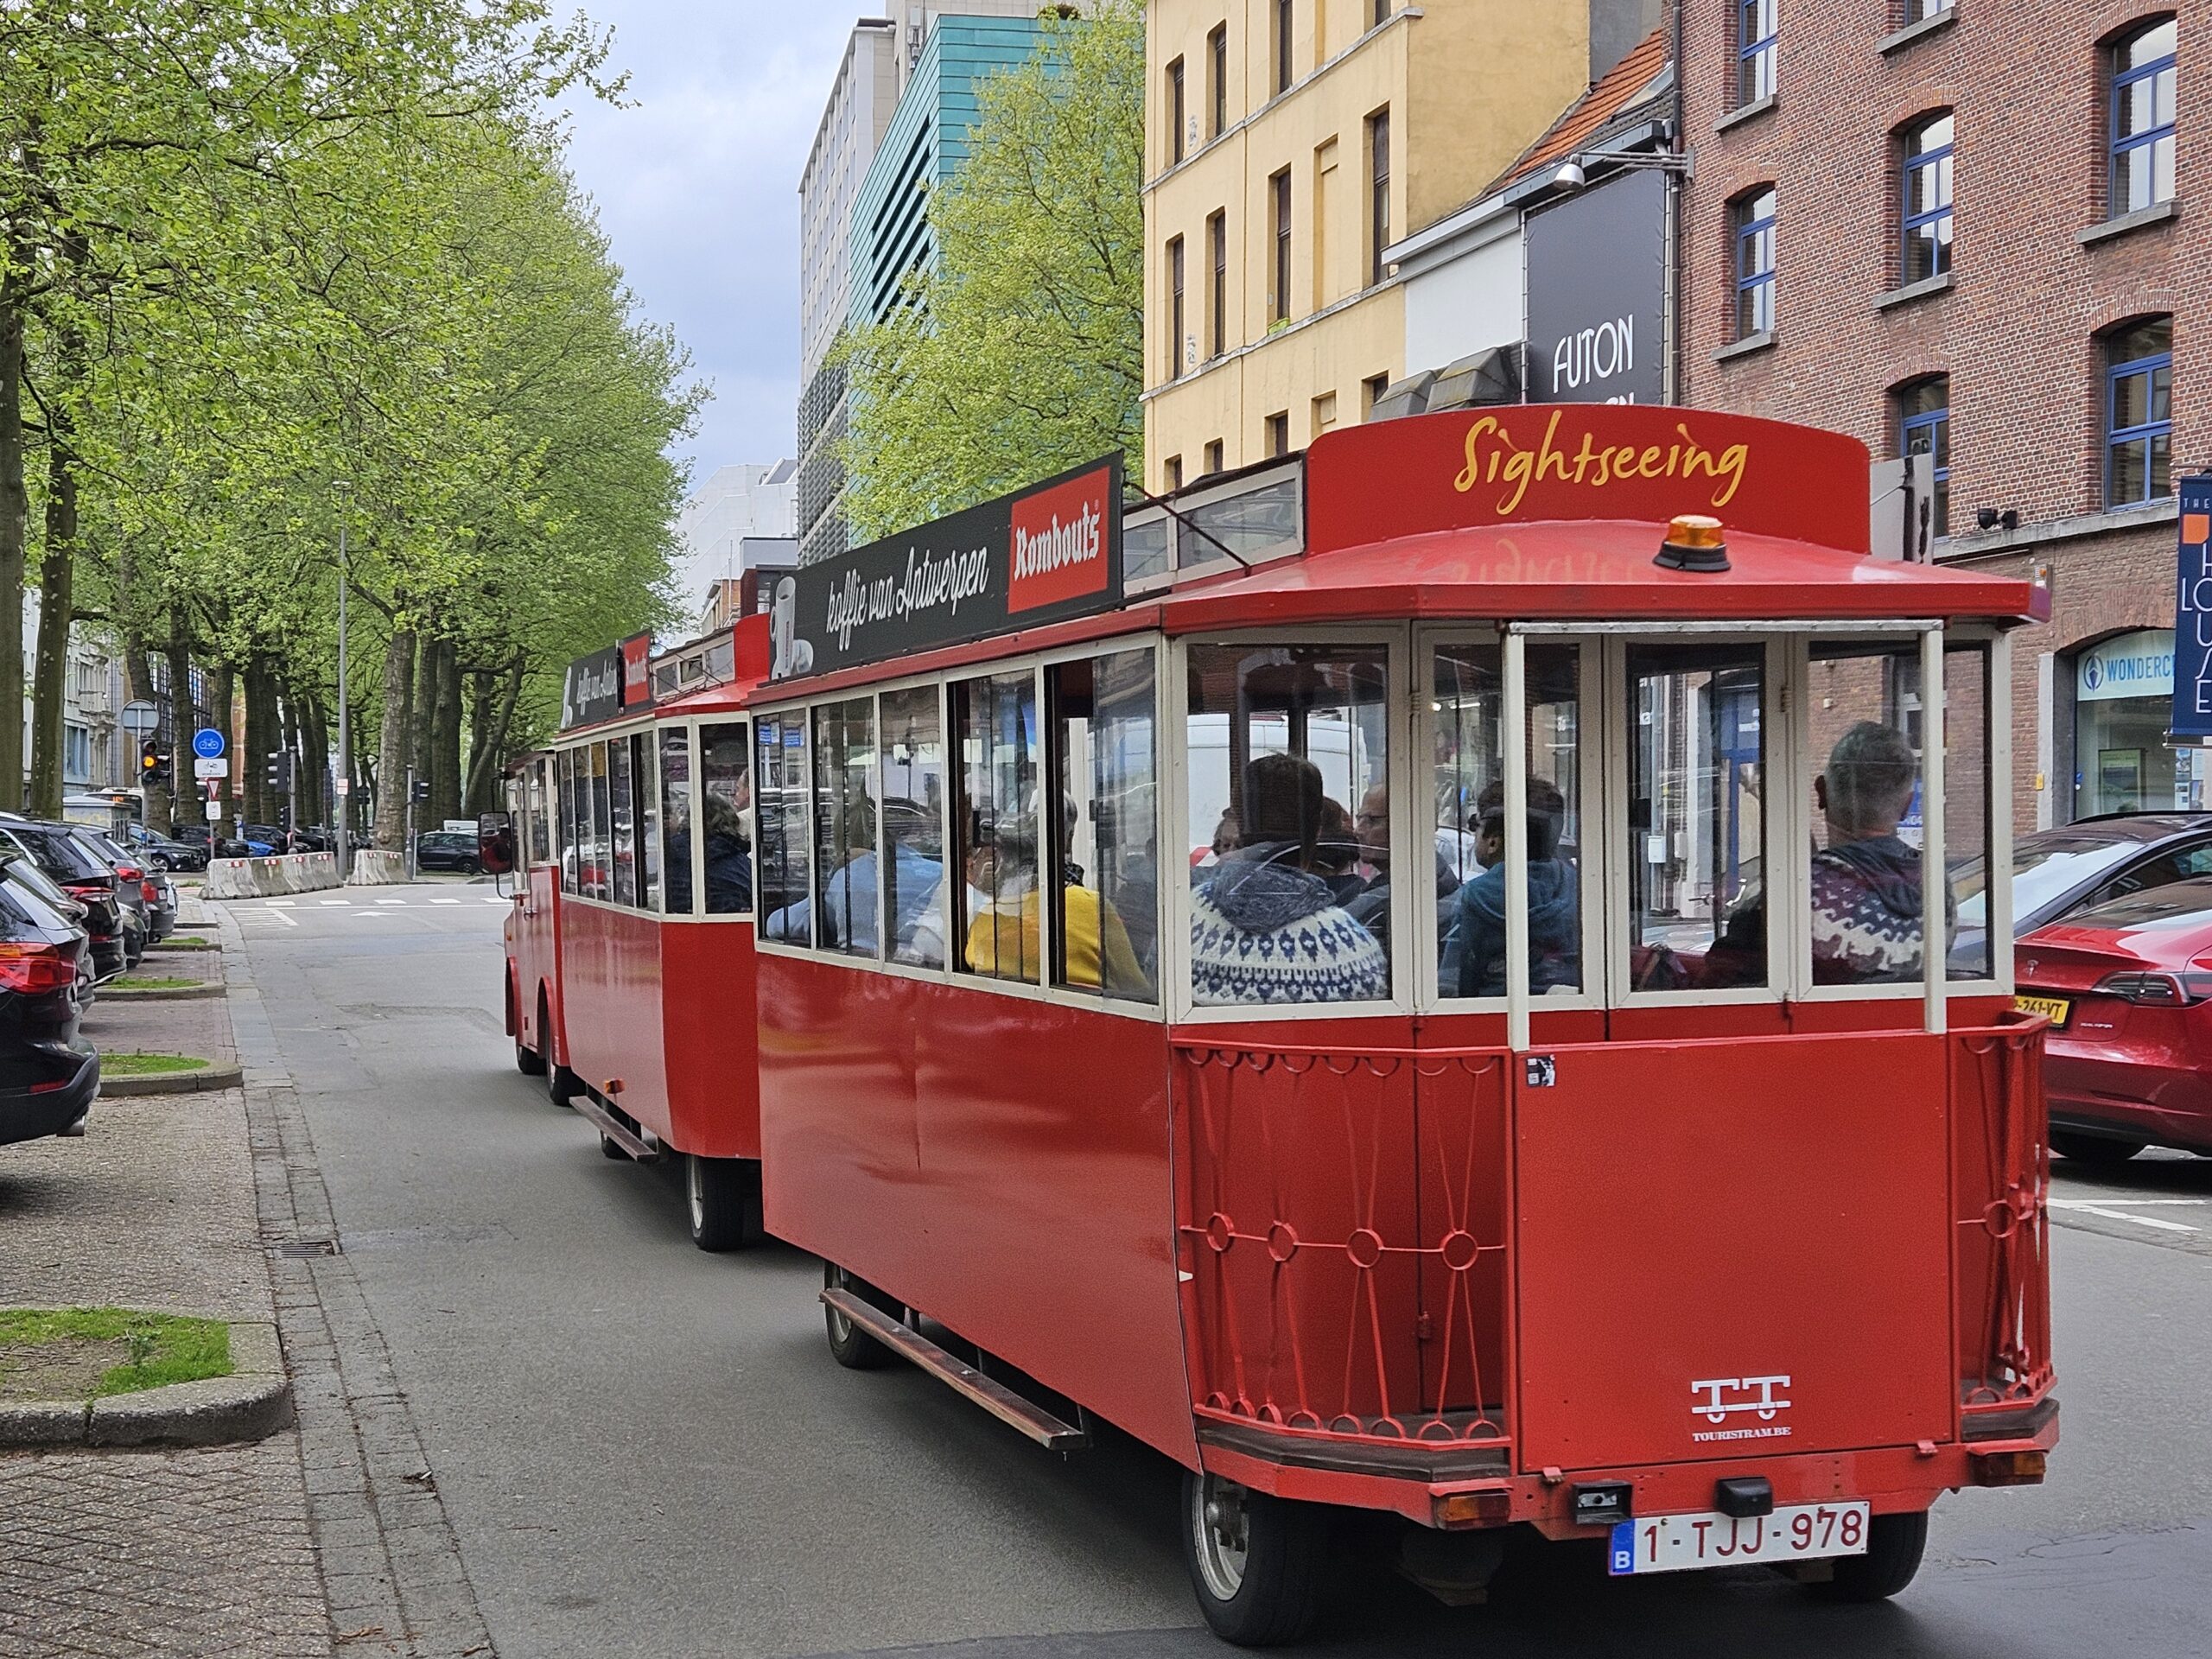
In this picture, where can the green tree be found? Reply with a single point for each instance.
(1019, 351)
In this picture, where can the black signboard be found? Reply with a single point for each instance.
(1039, 556)
(1597, 294)
(594, 688)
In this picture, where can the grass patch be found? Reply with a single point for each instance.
(151, 982)
(186, 942)
(97, 1351)
(149, 1065)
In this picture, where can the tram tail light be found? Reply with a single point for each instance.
(1488, 1506)
(1695, 541)
(2022, 1468)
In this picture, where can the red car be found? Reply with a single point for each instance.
(2127, 984)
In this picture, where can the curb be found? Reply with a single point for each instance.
(210, 1076)
(213, 987)
(251, 1404)
(172, 945)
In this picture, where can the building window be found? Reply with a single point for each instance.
(1382, 12)
(1756, 49)
(1924, 431)
(1175, 307)
(1926, 199)
(1378, 191)
(1218, 69)
(1370, 393)
(1213, 457)
(1175, 112)
(2140, 412)
(1284, 20)
(1324, 412)
(1755, 262)
(2143, 77)
(1218, 296)
(1919, 11)
(1171, 475)
(1278, 434)
(1278, 192)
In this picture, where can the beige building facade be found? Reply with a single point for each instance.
(1287, 142)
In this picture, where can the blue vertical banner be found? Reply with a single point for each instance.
(2193, 613)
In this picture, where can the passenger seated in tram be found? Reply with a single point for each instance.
(1265, 928)
(1555, 913)
(848, 896)
(729, 860)
(1867, 881)
(1370, 907)
(1006, 941)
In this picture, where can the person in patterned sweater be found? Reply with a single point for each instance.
(1867, 881)
(1265, 927)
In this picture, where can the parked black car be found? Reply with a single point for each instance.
(2056, 871)
(195, 835)
(134, 885)
(19, 870)
(166, 852)
(48, 1074)
(72, 866)
(448, 850)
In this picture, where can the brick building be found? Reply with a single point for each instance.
(1965, 231)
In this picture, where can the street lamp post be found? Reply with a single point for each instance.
(345, 769)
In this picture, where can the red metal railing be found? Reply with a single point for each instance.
(1327, 1293)
(2001, 1183)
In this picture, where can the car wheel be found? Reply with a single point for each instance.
(2093, 1148)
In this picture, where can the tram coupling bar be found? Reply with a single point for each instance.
(1742, 1497)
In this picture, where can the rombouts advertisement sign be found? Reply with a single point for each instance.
(1042, 554)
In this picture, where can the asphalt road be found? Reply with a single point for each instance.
(646, 1450)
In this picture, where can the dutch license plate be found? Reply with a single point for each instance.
(1676, 1543)
(2057, 1008)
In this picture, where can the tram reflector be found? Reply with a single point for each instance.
(2023, 1468)
(1486, 1506)
(1695, 541)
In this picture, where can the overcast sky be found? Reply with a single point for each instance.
(697, 187)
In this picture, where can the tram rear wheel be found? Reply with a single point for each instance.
(528, 1060)
(1894, 1545)
(850, 1345)
(1256, 1562)
(722, 1200)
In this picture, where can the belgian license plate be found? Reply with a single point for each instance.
(2057, 1008)
(1676, 1543)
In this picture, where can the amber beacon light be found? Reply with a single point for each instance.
(1693, 543)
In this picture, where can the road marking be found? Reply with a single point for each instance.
(335, 901)
(445, 901)
(2082, 1206)
(281, 904)
(2136, 1204)
(391, 901)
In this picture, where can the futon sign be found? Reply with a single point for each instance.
(1041, 555)
(2192, 663)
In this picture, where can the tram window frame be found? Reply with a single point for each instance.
(644, 782)
(621, 823)
(535, 839)
(937, 915)
(835, 742)
(598, 814)
(781, 719)
(567, 854)
(1059, 855)
(686, 747)
(747, 818)
(1009, 676)
(1430, 909)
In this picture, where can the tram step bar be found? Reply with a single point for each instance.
(644, 1151)
(1002, 1402)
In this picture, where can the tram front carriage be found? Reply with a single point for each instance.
(1444, 1024)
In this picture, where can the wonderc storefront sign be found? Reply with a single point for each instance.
(1039, 556)
(1597, 294)
(2191, 666)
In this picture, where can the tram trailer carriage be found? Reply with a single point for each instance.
(1631, 1173)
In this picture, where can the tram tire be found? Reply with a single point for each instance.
(1278, 1591)
(1894, 1546)
(2094, 1148)
(528, 1060)
(561, 1083)
(850, 1345)
(723, 1201)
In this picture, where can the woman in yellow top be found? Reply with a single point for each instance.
(1006, 942)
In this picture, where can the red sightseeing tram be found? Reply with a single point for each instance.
(1434, 1016)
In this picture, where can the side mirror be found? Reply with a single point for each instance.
(495, 843)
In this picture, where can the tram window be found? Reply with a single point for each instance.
(780, 755)
(912, 758)
(1106, 931)
(1865, 730)
(845, 878)
(565, 794)
(598, 875)
(1969, 802)
(1284, 740)
(621, 833)
(534, 813)
(995, 813)
(1471, 831)
(675, 818)
(1696, 821)
(726, 810)
(645, 777)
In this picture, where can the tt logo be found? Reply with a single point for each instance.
(1718, 1398)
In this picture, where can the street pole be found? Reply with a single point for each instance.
(410, 824)
(344, 768)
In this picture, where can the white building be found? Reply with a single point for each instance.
(735, 502)
(93, 744)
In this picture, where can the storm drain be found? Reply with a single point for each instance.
(301, 1249)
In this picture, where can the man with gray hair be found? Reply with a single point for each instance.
(1867, 882)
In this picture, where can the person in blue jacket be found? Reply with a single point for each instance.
(1554, 911)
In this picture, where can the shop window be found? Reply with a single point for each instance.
(1471, 830)
(1757, 50)
(2139, 413)
(1696, 828)
(2144, 76)
(1926, 199)
(913, 826)
(675, 818)
(779, 816)
(1924, 432)
(726, 811)
(1283, 741)
(2124, 761)
(998, 825)
(845, 879)
(1105, 844)
(1755, 249)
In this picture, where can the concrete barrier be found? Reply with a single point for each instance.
(372, 868)
(264, 878)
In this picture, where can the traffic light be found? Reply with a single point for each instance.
(279, 774)
(422, 789)
(153, 765)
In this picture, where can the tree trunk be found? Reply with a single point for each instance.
(138, 683)
(396, 742)
(261, 738)
(484, 765)
(14, 533)
(314, 761)
(481, 689)
(423, 710)
(445, 736)
(184, 719)
(57, 603)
